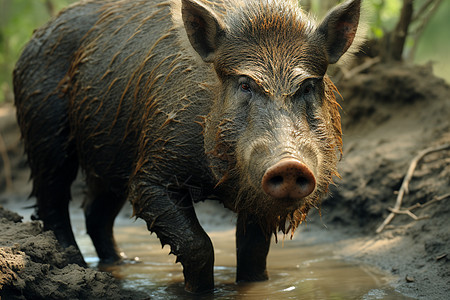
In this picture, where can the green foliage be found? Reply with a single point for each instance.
(383, 15)
(18, 19)
(434, 45)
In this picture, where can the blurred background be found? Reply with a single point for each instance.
(428, 38)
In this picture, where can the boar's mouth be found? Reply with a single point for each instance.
(281, 201)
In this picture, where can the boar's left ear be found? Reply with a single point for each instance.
(339, 28)
(203, 28)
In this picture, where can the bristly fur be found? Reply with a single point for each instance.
(141, 84)
(329, 135)
(270, 30)
(278, 54)
(168, 102)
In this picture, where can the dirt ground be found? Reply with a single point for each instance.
(390, 114)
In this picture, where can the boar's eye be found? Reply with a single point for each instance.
(244, 85)
(308, 88)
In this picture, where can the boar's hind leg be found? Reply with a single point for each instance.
(252, 247)
(101, 207)
(52, 178)
(176, 224)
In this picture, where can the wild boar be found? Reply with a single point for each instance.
(170, 102)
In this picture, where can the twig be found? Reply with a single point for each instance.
(348, 74)
(404, 187)
(409, 213)
(6, 164)
(418, 205)
(422, 10)
(364, 66)
(436, 199)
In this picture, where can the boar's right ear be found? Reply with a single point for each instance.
(203, 28)
(339, 28)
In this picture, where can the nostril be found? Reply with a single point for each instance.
(276, 180)
(288, 179)
(302, 181)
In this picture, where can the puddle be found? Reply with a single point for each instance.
(296, 271)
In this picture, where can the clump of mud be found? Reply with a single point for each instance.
(34, 266)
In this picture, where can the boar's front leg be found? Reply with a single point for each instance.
(171, 215)
(252, 247)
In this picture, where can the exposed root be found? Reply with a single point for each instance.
(409, 213)
(418, 205)
(404, 189)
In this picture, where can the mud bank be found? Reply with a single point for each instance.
(34, 266)
(390, 114)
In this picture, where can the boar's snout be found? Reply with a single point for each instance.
(288, 179)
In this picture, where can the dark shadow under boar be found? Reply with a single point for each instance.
(166, 103)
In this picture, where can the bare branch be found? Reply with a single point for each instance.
(409, 213)
(436, 199)
(418, 205)
(421, 11)
(404, 187)
(360, 68)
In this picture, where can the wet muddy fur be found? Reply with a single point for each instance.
(165, 103)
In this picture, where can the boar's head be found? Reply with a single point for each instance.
(273, 135)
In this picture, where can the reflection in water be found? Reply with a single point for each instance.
(296, 271)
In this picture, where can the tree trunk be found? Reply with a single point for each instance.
(397, 38)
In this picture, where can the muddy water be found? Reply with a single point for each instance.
(296, 270)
